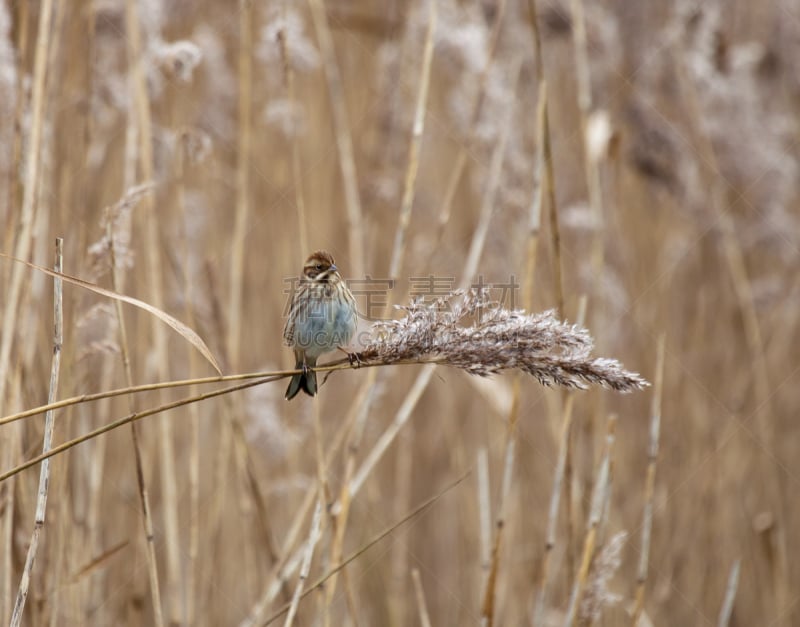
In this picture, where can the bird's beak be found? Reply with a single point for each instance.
(333, 267)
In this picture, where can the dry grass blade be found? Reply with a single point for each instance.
(98, 561)
(344, 138)
(187, 333)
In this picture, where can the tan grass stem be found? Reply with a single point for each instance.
(599, 499)
(422, 607)
(289, 79)
(457, 172)
(559, 485)
(130, 418)
(726, 611)
(344, 138)
(305, 567)
(399, 558)
(650, 481)
(44, 472)
(243, 149)
(193, 548)
(31, 173)
(415, 145)
(12, 231)
(141, 482)
(591, 164)
(22, 17)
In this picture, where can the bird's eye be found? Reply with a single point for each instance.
(319, 266)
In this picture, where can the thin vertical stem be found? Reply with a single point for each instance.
(649, 491)
(305, 567)
(599, 498)
(28, 212)
(424, 617)
(344, 139)
(726, 610)
(300, 203)
(47, 440)
(561, 479)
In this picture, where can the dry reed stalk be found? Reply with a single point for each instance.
(604, 512)
(22, 17)
(344, 138)
(464, 150)
(424, 617)
(44, 473)
(299, 198)
(144, 497)
(133, 417)
(24, 231)
(243, 150)
(726, 611)
(138, 87)
(96, 464)
(568, 402)
(544, 165)
(495, 170)
(415, 144)
(599, 498)
(403, 472)
(96, 460)
(9, 452)
(591, 163)
(190, 588)
(313, 537)
(550, 190)
(560, 476)
(149, 387)
(484, 509)
(31, 173)
(530, 267)
(650, 481)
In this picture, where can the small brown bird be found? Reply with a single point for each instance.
(322, 318)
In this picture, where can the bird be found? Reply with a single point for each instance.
(321, 319)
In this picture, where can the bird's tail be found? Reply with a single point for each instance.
(306, 381)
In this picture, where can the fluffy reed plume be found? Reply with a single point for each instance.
(467, 330)
(597, 594)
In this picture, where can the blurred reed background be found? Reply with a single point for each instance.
(210, 146)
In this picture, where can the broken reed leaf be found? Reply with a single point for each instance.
(186, 332)
(466, 330)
